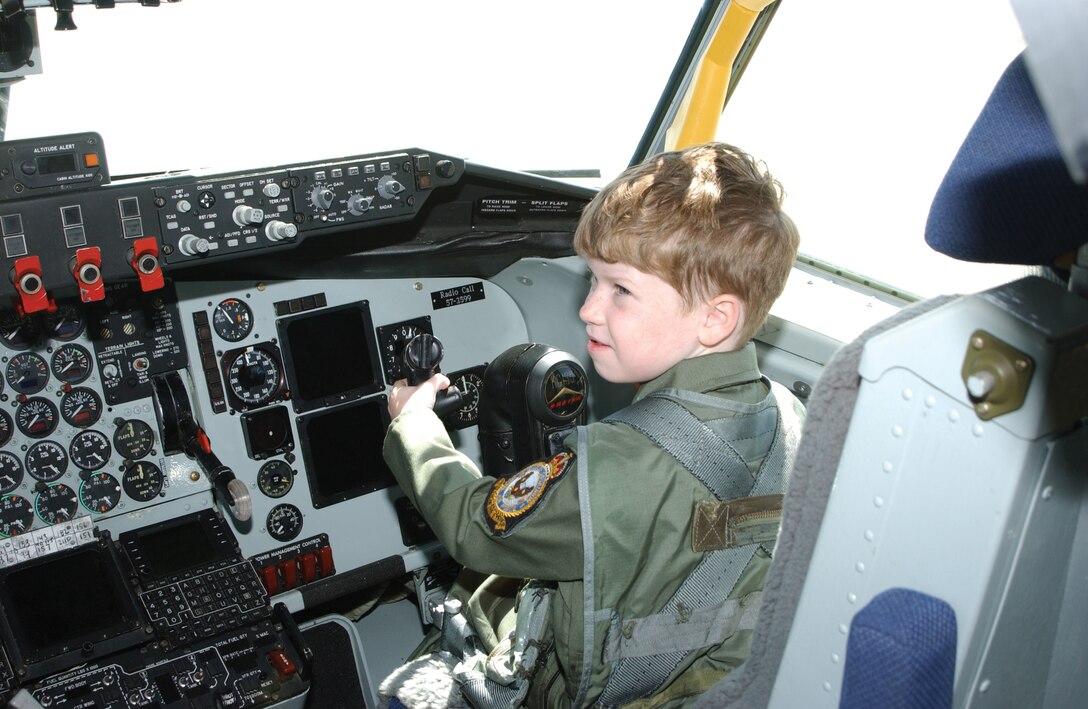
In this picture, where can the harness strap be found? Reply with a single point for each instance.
(699, 614)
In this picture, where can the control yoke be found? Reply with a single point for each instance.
(533, 396)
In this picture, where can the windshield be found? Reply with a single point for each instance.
(230, 84)
(859, 114)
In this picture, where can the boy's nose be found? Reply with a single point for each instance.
(587, 311)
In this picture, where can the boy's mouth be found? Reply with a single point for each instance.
(595, 345)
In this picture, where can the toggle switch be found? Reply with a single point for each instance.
(26, 274)
(144, 259)
(87, 270)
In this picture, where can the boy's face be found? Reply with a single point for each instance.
(638, 325)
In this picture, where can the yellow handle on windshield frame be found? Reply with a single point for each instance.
(697, 120)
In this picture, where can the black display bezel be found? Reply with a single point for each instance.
(67, 571)
(140, 548)
(332, 352)
(350, 452)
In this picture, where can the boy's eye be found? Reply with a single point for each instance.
(620, 290)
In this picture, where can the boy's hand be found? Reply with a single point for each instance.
(408, 398)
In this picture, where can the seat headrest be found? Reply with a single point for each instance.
(1008, 196)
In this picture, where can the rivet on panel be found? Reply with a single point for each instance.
(931, 401)
(869, 536)
(897, 431)
(827, 686)
(860, 566)
(1048, 491)
(977, 430)
(835, 657)
(852, 597)
(843, 629)
(888, 467)
(984, 686)
(953, 416)
(908, 394)
(878, 501)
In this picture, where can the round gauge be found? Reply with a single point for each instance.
(19, 332)
(11, 472)
(71, 364)
(100, 492)
(16, 515)
(46, 461)
(284, 522)
(232, 320)
(469, 382)
(56, 504)
(65, 323)
(275, 478)
(36, 417)
(142, 481)
(133, 439)
(254, 376)
(27, 373)
(90, 450)
(6, 427)
(81, 407)
(391, 342)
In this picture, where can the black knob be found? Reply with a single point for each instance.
(422, 355)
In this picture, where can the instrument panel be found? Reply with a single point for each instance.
(193, 379)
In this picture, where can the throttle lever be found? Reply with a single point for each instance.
(422, 355)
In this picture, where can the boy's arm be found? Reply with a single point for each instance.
(448, 489)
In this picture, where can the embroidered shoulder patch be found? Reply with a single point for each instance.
(513, 498)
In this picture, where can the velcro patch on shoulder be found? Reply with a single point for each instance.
(512, 499)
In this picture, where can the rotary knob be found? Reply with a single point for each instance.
(358, 204)
(389, 188)
(193, 245)
(276, 230)
(244, 216)
(321, 196)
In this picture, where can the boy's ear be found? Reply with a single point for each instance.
(723, 315)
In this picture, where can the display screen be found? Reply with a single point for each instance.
(330, 356)
(61, 162)
(66, 602)
(343, 451)
(168, 550)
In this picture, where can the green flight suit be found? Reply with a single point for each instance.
(643, 539)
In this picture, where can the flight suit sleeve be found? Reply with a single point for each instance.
(453, 496)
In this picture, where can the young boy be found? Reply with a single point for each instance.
(658, 524)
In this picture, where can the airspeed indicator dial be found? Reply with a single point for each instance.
(254, 376)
